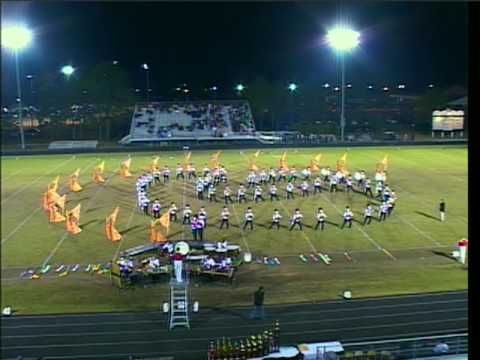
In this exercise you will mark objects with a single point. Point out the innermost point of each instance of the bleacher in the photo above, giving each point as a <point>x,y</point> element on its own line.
<point>196,120</point>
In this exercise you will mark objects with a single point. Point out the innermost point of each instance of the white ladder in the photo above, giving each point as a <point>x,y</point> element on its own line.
<point>179,303</point>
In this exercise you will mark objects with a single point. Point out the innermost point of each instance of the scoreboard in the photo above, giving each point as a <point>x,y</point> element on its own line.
<point>447,120</point>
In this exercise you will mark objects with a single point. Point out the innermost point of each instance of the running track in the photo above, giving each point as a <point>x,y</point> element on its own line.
<point>145,335</point>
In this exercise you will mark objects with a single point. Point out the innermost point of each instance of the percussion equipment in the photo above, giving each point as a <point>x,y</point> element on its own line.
<point>182,248</point>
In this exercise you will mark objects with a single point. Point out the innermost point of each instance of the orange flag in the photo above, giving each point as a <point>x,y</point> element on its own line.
<point>253,162</point>
<point>283,161</point>
<point>110,230</point>
<point>54,216</point>
<point>60,202</point>
<point>315,163</point>
<point>73,182</point>
<point>186,159</point>
<point>342,163</point>
<point>49,198</point>
<point>73,218</point>
<point>155,234</point>
<point>165,221</point>
<point>125,168</point>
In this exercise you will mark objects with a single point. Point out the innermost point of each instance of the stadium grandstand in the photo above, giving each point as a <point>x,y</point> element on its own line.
<point>194,120</point>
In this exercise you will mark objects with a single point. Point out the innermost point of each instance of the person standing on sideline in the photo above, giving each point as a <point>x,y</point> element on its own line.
<point>194,227</point>
<point>258,311</point>
<point>178,266</point>
<point>442,207</point>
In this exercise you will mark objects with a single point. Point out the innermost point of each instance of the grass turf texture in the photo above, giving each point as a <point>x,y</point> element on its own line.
<point>413,235</point>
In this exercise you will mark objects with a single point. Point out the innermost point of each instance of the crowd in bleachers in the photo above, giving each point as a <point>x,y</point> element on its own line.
<point>182,119</point>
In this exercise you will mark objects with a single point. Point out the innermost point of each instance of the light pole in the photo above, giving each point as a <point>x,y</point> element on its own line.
<point>30,79</point>
<point>16,38</point>
<point>292,87</point>
<point>342,40</point>
<point>147,89</point>
<point>68,71</point>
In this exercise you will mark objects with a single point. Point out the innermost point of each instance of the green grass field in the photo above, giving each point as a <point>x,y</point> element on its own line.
<point>413,235</point>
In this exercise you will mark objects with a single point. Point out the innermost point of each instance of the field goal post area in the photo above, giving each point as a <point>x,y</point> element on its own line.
<point>73,144</point>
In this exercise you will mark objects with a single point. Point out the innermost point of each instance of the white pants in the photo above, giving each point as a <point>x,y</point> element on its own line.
<point>178,269</point>
<point>442,215</point>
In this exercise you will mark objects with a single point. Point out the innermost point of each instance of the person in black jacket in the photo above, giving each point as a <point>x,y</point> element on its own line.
<point>258,311</point>
<point>442,209</point>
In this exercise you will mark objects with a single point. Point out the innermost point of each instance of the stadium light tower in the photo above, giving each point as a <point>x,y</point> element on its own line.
<point>342,40</point>
<point>147,88</point>
<point>292,87</point>
<point>16,38</point>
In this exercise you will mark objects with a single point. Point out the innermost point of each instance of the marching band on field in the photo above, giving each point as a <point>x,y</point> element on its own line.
<point>206,185</point>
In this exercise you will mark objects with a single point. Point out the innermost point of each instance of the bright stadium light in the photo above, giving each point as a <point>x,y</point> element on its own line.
<point>336,88</point>
<point>385,88</point>
<point>430,86</point>
<point>16,38</point>
<point>67,70</point>
<point>370,87</point>
<point>326,85</point>
<point>115,62</point>
<point>292,87</point>
<point>240,87</point>
<point>145,66</point>
<point>214,88</point>
<point>342,40</point>
<point>401,86</point>
<point>349,86</point>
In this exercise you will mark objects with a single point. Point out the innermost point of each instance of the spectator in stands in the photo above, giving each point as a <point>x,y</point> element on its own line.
<point>441,348</point>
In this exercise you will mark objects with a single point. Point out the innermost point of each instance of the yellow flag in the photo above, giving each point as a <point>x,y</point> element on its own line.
<point>125,168</point>
<point>215,160</point>
<point>283,161</point>
<point>154,164</point>
<point>76,174</point>
<point>101,167</point>
<point>165,221</point>
<point>385,161</point>
<point>257,153</point>
<point>318,157</point>
<point>127,163</point>
<point>54,184</point>
<point>344,157</point>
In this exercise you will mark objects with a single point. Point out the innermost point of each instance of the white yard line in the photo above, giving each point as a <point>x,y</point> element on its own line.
<point>240,227</point>
<point>65,235</point>
<point>368,237</point>
<point>420,231</point>
<point>27,219</point>
<point>307,239</point>
<point>19,191</point>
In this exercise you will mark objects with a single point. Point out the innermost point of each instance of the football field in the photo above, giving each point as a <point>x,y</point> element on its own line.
<point>406,254</point>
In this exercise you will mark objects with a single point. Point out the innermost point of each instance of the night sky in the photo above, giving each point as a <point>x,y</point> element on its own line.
<point>224,43</point>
